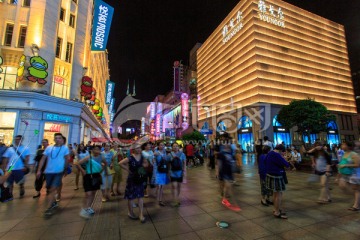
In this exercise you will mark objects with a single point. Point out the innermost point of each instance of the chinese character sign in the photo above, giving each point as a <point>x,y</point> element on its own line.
<point>158,124</point>
<point>109,91</point>
<point>271,14</point>
<point>101,25</point>
<point>233,27</point>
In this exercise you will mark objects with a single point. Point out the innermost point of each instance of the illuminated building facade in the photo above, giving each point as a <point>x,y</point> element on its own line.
<point>273,52</point>
<point>45,48</point>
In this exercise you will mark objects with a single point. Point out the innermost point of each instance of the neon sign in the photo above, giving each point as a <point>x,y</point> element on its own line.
<point>158,123</point>
<point>109,91</point>
<point>101,25</point>
<point>152,127</point>
<point>185,110</point>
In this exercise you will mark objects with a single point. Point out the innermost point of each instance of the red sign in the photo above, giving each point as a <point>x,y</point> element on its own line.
<point>55,128</point>
<point>58,80</point>
<point>152,127</point>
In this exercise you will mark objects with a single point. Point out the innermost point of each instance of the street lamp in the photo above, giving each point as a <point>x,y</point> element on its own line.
<point>35,49</point>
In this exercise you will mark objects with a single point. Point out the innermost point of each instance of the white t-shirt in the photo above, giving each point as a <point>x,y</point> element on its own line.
<point>55,158</point>
<point>13,156</point>
<point>269,143</point>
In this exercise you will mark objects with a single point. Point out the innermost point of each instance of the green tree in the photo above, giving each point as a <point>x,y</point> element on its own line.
<point>307,115</point>
<point>195,135</point>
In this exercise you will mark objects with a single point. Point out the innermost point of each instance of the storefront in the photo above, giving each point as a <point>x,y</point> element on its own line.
<point>281,134</point>
<point>245,134</point>
<point>332,134</point>
<point>7,126</point>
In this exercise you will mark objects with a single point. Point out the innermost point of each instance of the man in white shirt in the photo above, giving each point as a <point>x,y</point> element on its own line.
<point>57,157</point>
<point>267,142</point>
<point>17,158</point>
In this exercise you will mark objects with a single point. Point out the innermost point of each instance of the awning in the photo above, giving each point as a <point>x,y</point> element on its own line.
<point>100,139</point>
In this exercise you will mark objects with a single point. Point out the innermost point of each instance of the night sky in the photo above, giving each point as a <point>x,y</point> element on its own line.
<point>147,36</point>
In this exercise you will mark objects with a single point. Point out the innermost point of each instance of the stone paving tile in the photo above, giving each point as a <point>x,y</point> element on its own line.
<point>251,212</point>
<point>60,231</point>
<point>189,211</point>
<point>135,232</point>
<point>216,233</point>
<point>326,230</point>
<point>187,236</point>
<point>228,216</point>
<point>249,230</point>
<point>300,220</point>
<point>7,225</point>
<point>172,227</point>
<point>28,234</point>
<point>201,221</point>
<point>212,207</point>
<point>274,225</point>
<point>299,234</point>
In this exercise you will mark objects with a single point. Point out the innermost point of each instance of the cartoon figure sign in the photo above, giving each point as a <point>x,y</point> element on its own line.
<point>20,71</point>
<point>37,70</point>
<point>86,87</point>
<point>1,62</point>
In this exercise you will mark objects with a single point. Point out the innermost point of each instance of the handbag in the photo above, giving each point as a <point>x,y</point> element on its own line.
<point>93,166</point>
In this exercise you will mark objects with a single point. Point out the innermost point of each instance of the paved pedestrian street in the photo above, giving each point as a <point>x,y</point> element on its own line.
<point>196,218</point>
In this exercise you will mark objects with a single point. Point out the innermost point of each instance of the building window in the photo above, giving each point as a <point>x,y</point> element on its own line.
<point>75,1</point>
<point>62,14</point>
<point>26,3</point>
<point>8,34</point>
<point>68,52</point>
<point>22,36</point>
<point>59,87</point>
<point>7,126</point>
<point>72,20</point>
<point>8,78</point>
<point>13,1</point>
<point>58,47</point>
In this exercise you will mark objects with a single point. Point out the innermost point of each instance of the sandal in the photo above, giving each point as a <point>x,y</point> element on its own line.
<point>281,215</point>
<point>269,202</point>
<point>143,220</point>
<point>161,203</point>
<point>353,209</point>
<point>264,203</point>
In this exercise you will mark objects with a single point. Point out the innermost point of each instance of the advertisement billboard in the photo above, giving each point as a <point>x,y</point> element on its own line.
<point>103,14</point>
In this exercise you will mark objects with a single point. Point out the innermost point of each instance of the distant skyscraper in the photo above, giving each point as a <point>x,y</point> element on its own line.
<point>179,85</point>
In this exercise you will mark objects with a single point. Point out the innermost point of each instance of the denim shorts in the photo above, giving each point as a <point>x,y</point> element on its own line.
<point>17,176</point>
<point>53,180</point>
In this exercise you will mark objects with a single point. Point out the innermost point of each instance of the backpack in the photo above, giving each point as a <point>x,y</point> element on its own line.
<point>162,166</point>
<point>176,164</point>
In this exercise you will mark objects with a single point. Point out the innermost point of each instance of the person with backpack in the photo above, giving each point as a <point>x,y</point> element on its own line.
<point>17,158</point>
<point>134,165</point>
<point>162,170</point>
<point>177,171</point>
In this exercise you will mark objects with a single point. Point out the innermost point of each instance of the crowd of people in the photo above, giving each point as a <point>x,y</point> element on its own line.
<point>150,167</point>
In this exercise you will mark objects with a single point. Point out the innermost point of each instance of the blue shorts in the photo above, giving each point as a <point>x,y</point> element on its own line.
<point>17,176</point>
<point>53,180</point>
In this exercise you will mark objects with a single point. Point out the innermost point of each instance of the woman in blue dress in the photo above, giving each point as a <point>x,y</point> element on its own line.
<point>161,169</point>
<point>134,184</point>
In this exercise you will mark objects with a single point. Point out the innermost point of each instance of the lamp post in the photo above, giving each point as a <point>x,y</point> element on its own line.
<point>35,49</point>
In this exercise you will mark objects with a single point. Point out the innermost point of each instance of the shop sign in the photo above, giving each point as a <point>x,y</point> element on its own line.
<point>185,110</point>
<point>142,126</point>
<point>55,128</point>
<point>158,123</point>
<point>332,131</point>
<point>57,117</point>
<point>152,110</point>
<point>271,14</point>
<point>109,91</point>
<point>112,115</point>
<point>233,27</point>
<point>103,13</point>
<point>58,80</point>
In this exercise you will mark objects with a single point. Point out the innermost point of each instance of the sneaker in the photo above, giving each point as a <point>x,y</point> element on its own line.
<point>57,197</point>
<point>135,205</point>
<point>234,208</point>
<point>48,212</point>
<point>85,214</point>
<point>54,205</point>
<point>90,211</point>
<point>225,202</point>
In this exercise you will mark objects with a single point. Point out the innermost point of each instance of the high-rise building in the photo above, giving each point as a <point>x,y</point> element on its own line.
<point>52,78</point>
<point>268,51</point>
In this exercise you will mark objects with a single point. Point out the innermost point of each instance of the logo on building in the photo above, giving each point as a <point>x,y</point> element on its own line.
<point>109,91</point>
<point>101,25</point>
<point>37,70</point>
<point>271,14</point>
<point>233,27</point>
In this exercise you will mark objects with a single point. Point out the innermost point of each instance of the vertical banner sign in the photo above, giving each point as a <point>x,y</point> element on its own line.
<point>111,106</point>
<point>103,14</point>
<point>158,119</point>
<point>152,110</point>
<point>185,110</point>
<point>176,76</point>
<point>109,91</point>
<point>152,127</point>
<point>142,126</point>
<point>112,117</point>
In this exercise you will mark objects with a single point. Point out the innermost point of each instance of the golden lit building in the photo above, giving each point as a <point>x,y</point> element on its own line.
<point>272,52</point>
<point>45,48</point>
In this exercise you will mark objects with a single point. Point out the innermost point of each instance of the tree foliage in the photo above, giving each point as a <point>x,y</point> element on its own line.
<point>195,135</point>
<point>307,115</point>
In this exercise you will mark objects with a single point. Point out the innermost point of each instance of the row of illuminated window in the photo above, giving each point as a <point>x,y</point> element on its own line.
<point>25,3</point>
<point>68,52</point>
<point>71,19</point>
<point>8,80</point>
